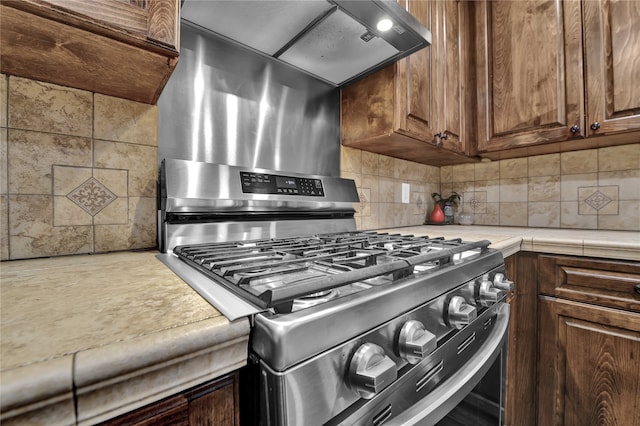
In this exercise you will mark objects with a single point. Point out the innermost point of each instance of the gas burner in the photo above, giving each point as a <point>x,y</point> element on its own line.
<point>313,299</point>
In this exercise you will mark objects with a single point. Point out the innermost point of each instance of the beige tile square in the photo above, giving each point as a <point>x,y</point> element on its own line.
<point>462,187</point>
<point>114,179</point>
<point>491,187</point>
<point>66,178</point>
<point>386,218</point>
<point>598,200</point>
<point>432,174</point>
<point>544,165</point>
<point>569,185</point>
<point>351,160</point>
<point>627,181</point>
<point>122,120</point>
<point>487,170</point>
<point>513,214</point>
<point>569,217</point>
<point>579,162</point>
<point>463,173</point>
<point>140,161</point>
<point>4,177</point>
<point>544,188</point>
<point>67,213</point>
<point>372,221</point>
<point>45,107</point>
<point>623,157</point>
<point>32,234</point>
<point>3,100</point>
<point>372,184</point>
<point>475,202</point>
<point>416,171</point>
<point>385,166</point>
<point>513,168</point>
<point>628,218</point>
<point>513,190</point>
<point>32,156</point>
<point>116,213</point>
<point>4,227</point>
<point>490,217</point>
<point>370,163</point>
<point>544,214</point>
<point>401,169</point>
<point>387,192</point>
<point>446,174</point>
<point>138,233</point>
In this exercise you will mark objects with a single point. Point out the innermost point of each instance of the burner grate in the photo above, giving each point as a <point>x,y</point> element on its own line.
<point>275,272</point>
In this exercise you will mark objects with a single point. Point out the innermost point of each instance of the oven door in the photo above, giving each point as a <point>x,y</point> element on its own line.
<point>472,395</point>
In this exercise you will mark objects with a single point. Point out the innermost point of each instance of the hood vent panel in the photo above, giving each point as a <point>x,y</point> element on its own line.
<point>333,40</point>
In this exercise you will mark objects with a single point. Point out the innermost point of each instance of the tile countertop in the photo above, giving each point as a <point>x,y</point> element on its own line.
<point>118,330</point>
<point>510,240</point>
<point>87,338</point>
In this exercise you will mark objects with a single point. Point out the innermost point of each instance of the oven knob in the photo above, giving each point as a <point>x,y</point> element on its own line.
<point>415,342</point>
<point>459,313</point>
<point>488,293</point>
<point>370,370</point>
<point>501,282</point>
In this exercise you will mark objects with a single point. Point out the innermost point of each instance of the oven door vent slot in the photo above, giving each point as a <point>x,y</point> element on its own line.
<point>467,342</point>
<point>429,375</point>
<point>382,416</point>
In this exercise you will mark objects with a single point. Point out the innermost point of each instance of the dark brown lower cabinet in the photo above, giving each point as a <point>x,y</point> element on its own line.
<point>214,403</point>
<point>574,341</point>
<point>589,364</point>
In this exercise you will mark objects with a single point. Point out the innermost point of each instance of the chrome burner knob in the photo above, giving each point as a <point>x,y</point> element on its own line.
<point>415,342</point>
<point>488,293</point>
<point>371,370</point>
<point>459,313</point>
<point>501,282</point>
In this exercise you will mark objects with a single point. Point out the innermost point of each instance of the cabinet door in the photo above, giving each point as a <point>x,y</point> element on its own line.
<point>450,72</point>
<point>588,367</point>
<point>156,21</point>
<point>529,72</point>
<point>612,63</point>
<point>416,113</point>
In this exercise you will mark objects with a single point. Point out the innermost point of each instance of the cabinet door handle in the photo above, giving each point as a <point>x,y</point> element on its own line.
<point>637,287</point>
<point>575,129</point>
<point>595,125</point>
<point>441,135</point>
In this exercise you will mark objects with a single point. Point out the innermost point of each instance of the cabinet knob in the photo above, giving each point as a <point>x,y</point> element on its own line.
<point>637,288</point>
<point>575,129</point>
<point>595,125</point>
<point>441,135</point>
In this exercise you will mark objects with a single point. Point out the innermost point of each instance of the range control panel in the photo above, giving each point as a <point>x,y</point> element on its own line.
<point>262,183</point>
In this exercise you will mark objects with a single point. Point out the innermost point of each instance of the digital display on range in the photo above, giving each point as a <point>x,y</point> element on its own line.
<point>285,182</point>
<point>263,183</point>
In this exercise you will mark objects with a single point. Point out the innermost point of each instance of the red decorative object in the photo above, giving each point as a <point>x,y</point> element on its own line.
<point>437,215</point>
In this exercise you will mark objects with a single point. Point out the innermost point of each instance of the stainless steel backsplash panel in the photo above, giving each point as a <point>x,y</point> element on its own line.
<point>229,105</point>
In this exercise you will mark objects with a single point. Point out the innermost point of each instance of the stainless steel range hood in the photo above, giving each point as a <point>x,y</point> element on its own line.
<point>337,41</point>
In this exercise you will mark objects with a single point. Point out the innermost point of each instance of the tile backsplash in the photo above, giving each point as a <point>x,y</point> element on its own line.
<point>78,174</point>
<point>590,189</point>
<point>79,171</point>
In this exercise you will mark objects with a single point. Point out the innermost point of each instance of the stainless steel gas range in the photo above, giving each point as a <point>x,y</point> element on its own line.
<point>348,327</point>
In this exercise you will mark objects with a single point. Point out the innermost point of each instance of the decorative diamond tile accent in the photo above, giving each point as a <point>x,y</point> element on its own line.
<point>597,200</point>
<point>92,196</point>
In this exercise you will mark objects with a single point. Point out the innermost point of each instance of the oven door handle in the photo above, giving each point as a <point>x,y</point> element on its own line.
<point>441,400</point>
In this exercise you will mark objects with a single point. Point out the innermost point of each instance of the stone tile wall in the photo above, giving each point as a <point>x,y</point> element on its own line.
<point>78,174</point>
<point>590,189</point>
<point>379,181</point>
<point>78,171</point>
